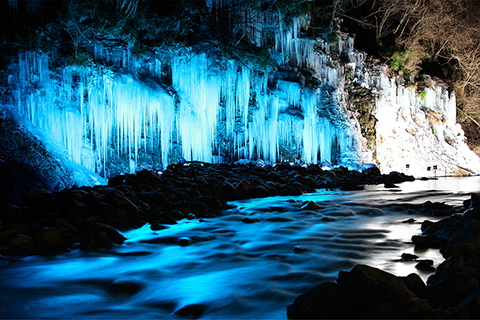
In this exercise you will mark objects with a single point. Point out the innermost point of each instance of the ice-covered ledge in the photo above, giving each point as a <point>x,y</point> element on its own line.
<point>417,132</point>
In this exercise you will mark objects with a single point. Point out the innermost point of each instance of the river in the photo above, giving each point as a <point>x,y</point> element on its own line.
<point>250,262</point>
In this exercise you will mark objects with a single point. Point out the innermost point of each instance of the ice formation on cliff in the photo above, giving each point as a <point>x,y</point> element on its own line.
<point>146,115</point>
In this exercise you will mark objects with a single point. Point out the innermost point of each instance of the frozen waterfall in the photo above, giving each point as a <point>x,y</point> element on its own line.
<point>210,112</point>
<point>190,103</point>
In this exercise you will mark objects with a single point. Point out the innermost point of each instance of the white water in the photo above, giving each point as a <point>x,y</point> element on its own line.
<point>239,270</point>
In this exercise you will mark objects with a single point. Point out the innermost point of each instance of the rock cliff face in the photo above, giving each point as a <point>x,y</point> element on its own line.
<point>317,102</point>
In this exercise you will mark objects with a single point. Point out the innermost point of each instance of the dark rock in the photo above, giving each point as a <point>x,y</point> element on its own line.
<point>409,257</point>
<point>475,200</point>
<point>397,177</point>
<point>425,266</point>
<point>155,226</point>
<point>96,235</point>
<point>472,304</point>
<point>230,191</point>
<point>328,219</point>
<point>447,268</point>
<point>21,240</point>
<point>260,191</point>
<point>299,249</point>
<point>465,249</point>
<point>472,213</point>
<point>198,207</point>
<point>55,238</point>
<point>124,288</point>
<point>309,205</point>
<point>244,188</point>
<point>250,220</point>
<point>411,220</point>
<point>414,282</point>
<point>364,292</point>
<point>185,241</point>
<point>192,311</point>
<point>8,232</point>
<point>295,189</point>
<point>450,291</point>
<point>390,185</point>
<point>428,241</point>
<point>426,224</point>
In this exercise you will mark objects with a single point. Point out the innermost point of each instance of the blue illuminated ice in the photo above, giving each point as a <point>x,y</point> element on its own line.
<point>194,104</point>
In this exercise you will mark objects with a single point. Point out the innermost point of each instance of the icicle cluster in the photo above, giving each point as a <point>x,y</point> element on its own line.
<point>206,109</point>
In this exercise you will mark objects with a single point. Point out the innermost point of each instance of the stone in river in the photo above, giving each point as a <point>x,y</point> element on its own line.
<point>250,220</point>
<point>309,205</point>
<point>425,266</point>
<point>299,249</point>
<point>408,257</point>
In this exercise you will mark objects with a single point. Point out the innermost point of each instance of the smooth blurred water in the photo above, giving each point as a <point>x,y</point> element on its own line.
<point>232,269</point>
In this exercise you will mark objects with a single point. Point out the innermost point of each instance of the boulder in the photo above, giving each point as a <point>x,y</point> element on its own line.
<point>364,292</point>
<point>244,188</point>
<point>428,241</point>
<point>449,291</point>
<point>414,282</point>
<point>96,235</point>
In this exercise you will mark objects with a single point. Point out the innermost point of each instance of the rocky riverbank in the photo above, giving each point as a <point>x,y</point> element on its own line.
<point>90,217</point>
<point>451,292</point>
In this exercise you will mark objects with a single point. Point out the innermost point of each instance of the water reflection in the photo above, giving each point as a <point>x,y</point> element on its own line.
<point>232,269</point>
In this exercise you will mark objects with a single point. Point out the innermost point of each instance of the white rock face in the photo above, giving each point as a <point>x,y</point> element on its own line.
<point>418,134</point>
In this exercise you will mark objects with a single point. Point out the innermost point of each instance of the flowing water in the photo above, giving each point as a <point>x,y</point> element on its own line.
<point>226,267</point>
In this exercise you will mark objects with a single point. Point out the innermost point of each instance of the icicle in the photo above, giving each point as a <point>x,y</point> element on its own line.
<point>12,5</point>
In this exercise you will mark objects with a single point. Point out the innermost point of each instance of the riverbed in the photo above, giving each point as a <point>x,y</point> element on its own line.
<point>249,262</point>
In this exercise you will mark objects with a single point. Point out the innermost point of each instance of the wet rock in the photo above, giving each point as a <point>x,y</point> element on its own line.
<point>185,241</point>
<point>96,235</point>
<point>472,213</point>
<point>6,233</point>
<point>409,221</point>
<point>449,291</point>
<point>198,207</point>
<point>155,226</point>
<point>475,200</point>
<point>472,304</point>
<point>299,249</point>
<point>390,185</point>
<point>425,266</point>
<point>77,211</point>
<point>55,238</point>
<point>414,282</point>
<point>230,191</point>
<point>192,311</point>
<point>260,191</point>
<point>409,257</point>
<point>364,292</point>
<point>244,188</point>
<point>124,288</point>
<point>309,205</point>
<point>295,189</point>
<point>397,177</point>
<point>328,219</point>
<point>426,224</point>
<point>465,249</point>
<point>428,241</point>
<point>21,240</point>
<point>250,220</point>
